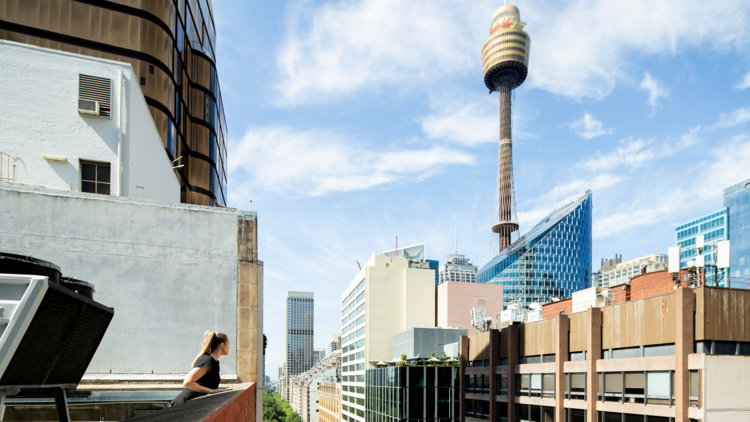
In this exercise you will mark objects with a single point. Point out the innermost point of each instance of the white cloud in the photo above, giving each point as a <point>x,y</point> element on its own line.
<point>587,127</point>
<point>656,91</point>
<point>741,115</point>
<point>467,121</point>
<point>317,162</point>
<point>581,49</point>
<point>745,83</point>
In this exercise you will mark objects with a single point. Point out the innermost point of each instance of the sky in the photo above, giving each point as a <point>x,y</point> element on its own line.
<point>353,122</point>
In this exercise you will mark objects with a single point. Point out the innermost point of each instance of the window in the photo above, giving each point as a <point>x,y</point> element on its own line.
<point>695,388</point>
<point>613,387</point>
<point>548,385</point>
<point>576,386</point>
<point>658,387</point>
<point>634,387</point>
<point>95,178</point>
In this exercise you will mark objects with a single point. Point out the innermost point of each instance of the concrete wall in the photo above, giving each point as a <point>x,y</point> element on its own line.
<point>170,271</point>
<point>398,298</point>
<point>422,342</point>
<point>455,300</point>
<point>726,385</point>
<point>39,102</point>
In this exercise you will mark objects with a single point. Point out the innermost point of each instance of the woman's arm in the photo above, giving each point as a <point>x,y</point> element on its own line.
<point>191,380</point>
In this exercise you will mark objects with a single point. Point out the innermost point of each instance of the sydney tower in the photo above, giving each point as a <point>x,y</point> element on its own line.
<point>505,59</point>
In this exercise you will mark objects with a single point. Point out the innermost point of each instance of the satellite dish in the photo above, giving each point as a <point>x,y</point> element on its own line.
<point>535,306</point>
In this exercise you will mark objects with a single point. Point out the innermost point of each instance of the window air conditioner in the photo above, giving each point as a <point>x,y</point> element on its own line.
<point>88,107</point>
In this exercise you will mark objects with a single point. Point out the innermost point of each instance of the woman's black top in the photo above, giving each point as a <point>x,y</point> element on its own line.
<point>210,380</point>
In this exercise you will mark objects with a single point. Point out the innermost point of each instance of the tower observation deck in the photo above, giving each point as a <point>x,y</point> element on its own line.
<point>505,59</point>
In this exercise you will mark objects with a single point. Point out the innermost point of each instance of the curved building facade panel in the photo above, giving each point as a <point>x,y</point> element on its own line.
<point>553,260</point>
<point>171,45</point>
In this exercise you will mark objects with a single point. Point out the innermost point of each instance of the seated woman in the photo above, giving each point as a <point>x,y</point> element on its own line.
<point>205,376</point>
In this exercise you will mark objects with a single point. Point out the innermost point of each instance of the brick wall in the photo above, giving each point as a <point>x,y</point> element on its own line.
<point>640,287</point>
<point>648,285</point>
<point>553,309</point>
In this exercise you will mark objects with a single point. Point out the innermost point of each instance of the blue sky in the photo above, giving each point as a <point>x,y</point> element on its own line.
<point>353,122</point>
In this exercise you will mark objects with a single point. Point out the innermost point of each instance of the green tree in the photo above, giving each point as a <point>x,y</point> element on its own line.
<point>271,410</point>
<point>292,417</point>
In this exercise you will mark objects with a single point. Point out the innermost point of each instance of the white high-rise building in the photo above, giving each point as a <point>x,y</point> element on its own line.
<point>457,268</point>
<point>389,295</point>
<point>624,271</point>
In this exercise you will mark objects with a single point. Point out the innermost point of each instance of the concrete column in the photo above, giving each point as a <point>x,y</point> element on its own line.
<point>593,354</point>
<point>494,360</point>
<point>562,330</point>
<point>684,338</point>
<point>249,342</point>
<point>512,333</point>
<point>463,350</point>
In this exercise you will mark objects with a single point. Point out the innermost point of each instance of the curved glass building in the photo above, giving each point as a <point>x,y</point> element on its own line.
<point>552,260</point>
<point>171,45</point>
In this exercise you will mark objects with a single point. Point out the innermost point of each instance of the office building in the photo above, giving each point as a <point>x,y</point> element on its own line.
<point>714,228</point>
<point>413,393</point>
<point>425,390</point>
<point>170,46</point>
<point>298,340</point>
<point>737,200</point>
<point>456,300</point>
<point>606,265</point>
<point>335,343</point>
<point>457,268</point>
<point>389,295</point>
<point>318,354</point>
<point>551,261</point>
<point>435,266</point>
<point>659,354</point>
<point>330,401</point>
<point>505,59</point>
<point>624,271</point>
<point>418,343</point>
<point>305,397</point>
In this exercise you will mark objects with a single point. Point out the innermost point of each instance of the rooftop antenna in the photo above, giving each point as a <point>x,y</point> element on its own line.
<point>396,245</point>
<point>360,267</point>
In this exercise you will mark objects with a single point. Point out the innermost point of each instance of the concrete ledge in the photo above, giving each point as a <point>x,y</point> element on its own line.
<point>235,405</point>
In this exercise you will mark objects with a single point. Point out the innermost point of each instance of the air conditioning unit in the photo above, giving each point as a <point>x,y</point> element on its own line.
<point>88,107</point>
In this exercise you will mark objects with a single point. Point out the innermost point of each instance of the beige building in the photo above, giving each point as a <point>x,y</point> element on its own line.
<point>330,402</point>
<point>680,356</point>
<point>624,271</point>
<point>456,299</point>
<point>388,295</point>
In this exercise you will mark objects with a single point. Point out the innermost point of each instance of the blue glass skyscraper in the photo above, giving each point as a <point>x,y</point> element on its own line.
<point>737,200</point>
<point>714,227</point>
<point>552,260</point>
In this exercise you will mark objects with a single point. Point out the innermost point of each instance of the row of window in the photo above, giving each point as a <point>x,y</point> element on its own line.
<point>360,321</point>
<point>354,292</point>
<point>351,306</point>
<point>706,218</point>
<point>498,59</point>
<point>351,368</point>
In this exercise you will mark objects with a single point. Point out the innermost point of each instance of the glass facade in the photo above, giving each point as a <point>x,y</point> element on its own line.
<point>171,45</point>
<point>552,260</point>
<point>737,200</point>
<point>714,228</point>
<point>300,319</point>
<point>412,393</point>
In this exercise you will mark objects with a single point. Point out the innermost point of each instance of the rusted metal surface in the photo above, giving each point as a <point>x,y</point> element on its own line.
<point>537,338</point>
<point>479,346</point>
<point>726,314</point>
<point>577,341</point>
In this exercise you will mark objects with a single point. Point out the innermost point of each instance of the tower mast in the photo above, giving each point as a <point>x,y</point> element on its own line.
<point>505,57</point>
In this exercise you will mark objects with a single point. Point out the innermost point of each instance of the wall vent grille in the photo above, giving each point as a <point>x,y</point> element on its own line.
<point>94,88</point>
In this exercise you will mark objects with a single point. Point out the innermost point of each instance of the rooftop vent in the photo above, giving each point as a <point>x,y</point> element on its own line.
<point>94,95</point>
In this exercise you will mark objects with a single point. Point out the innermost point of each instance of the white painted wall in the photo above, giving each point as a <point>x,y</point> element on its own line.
<point>169,270</point>
<point>39,115</point>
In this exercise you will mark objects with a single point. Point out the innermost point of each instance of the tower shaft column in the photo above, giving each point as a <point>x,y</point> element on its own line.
<point>504,85</point>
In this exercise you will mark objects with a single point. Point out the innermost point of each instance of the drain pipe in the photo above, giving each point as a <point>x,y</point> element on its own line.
<point>119,132</point>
